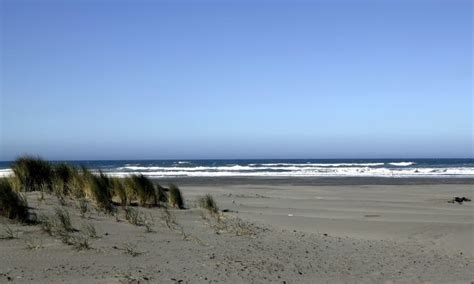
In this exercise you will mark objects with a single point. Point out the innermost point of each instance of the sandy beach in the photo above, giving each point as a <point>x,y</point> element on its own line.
<point>269,233</point>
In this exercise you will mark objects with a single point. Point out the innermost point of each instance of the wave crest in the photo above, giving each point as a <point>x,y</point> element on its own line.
<point>402,164</point>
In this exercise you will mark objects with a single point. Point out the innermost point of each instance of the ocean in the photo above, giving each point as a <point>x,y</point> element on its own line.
<point>281,168</point>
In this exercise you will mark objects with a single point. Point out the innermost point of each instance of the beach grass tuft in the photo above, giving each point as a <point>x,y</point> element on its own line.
<point>134,216</point>
<point>13,205</point>
<point>161,193</point>
<point>142,188</point>
<point>131,249</point>
<point>62,180</point>
<point>90,231</point>
<point>148,226</point>
<point>83,207</point>
<point>33,244</point>
<point>175,199</point>
<point>119,190</point>
<point>207,202</point>
<point>10,233</point>
<point>80,242</point>
<point>32,173</point>
<point>99,186</point>
<point>64,220</point>
<point>47,224</point>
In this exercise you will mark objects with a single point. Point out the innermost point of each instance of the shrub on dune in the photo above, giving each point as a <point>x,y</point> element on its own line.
<point>76,185</point>
<point>12,204</point>
<point>64,220</point>
<point>142,187</point>
<point>207,202</point>
<point>161,193</point>
<point>85,177</point>
<point>130,189</point>
<point>33,173</point>
<point>175,197</point>
<point>63,175</point>
<point>99,187</point>
<point>119,190</point>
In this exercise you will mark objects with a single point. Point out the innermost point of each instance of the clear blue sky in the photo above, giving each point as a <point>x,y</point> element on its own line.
<point>241,79</point>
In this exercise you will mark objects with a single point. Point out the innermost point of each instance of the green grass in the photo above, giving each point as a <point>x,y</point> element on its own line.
<point>90,231</point>
<point>47,224</point>
<point>83,207</point>
<point>10,233</point>
<point>80,242</point>
<point>142,188</point>
<point>76,185</point>
<point>33,173</point>
<point>100,190</point>
<point>175,198</point>
<point>62,181</point>
<point>64,220</point>
<point>207,202</point>
<point>66,181</point>
<point>13,205</point>
<point>131,249</point>
<point>134,216</point>
<point>119,190</point>
<point>161,193</point>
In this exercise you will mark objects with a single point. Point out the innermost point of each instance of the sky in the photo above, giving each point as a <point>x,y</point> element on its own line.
<point>236,79</point>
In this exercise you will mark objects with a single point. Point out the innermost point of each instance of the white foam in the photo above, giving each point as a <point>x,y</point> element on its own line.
<point>403,164</point>
<point>314,172</point>
<point>319,165</point>
<point>5,173</point>
<point>286,170</point>
<point>200,168</point>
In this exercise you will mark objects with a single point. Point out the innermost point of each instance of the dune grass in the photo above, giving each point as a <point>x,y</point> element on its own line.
<point>47,224</point>
<point>80,242</point>
<point>175,198</point>
<point>10,233</point>
<point>207,202</point>
<point>76,185</point>
<point>131,249</point>
<point>119,190</point>
<point>33,173</point>
<point>13,205</point>
<point>143,189</point>
<point>64,220</point>
<point>90,231</point>
<point>100,191</point>
<point>83,207</point>
<point>83,186</point>
<point>161,193</point>
<point>134,216</point>
<point>63,175</point>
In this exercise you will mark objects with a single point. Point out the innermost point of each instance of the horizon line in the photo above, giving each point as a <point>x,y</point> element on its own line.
<point>242,159</point>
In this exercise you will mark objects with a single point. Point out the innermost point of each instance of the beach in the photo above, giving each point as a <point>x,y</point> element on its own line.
<point>270,231</point>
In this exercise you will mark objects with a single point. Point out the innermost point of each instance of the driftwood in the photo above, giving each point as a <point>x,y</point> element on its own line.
<point>459,200</point>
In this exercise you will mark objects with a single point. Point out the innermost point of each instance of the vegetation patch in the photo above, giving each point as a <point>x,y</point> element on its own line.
<point>13,205</point>
<point>143,189</point>
<point>207,202</point>
<point>33,174</point>
<point>175,199</point>
<point>134,216</point>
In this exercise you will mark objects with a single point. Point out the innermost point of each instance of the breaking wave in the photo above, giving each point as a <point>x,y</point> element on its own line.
<point>403,164</point>
<point>283,168</point>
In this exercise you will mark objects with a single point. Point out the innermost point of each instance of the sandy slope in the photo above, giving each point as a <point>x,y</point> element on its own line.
<point>333,234</point>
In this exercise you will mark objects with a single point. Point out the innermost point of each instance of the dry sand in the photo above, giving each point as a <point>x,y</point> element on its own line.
<point>289,234</point>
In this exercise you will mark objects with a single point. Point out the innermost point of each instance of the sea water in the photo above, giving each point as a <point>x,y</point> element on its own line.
<point>280,168</point>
